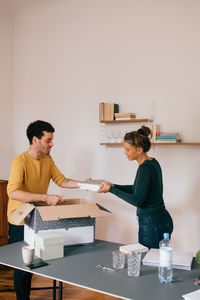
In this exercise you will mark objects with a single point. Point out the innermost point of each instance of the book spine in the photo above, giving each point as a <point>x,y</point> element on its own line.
<point>113,107</point>
<point>106,111</point>
<point>125,115</point>
<point>168,137</point>
<point>155,131</point>
<point>165,141</point>
<point>168,133</point>
<point>101,110</point>
<point>124,118</point>
<point>116,108</point>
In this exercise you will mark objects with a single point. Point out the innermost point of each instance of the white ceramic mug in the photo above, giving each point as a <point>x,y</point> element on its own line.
<point>28,254</point>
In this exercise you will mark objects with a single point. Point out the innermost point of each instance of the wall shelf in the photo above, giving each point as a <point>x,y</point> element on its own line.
<point>152,143</point>
<point>159,144</point>
<point>126,121</point>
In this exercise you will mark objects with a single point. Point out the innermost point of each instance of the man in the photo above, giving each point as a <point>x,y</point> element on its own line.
<point>30,176</point>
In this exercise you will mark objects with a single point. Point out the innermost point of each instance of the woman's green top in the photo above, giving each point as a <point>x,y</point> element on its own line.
<point>146,193</point>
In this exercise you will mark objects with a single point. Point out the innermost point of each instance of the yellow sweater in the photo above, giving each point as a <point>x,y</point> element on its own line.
<point>31,175</point>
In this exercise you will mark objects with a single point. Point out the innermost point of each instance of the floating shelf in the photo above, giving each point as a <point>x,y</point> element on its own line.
<point>127,121</point>
<point>159,144</point>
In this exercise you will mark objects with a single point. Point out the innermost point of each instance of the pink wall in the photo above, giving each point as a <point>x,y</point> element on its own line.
<point>70,55</point>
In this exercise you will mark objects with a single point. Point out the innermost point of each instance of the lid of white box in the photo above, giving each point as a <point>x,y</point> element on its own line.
<point>47,238</point>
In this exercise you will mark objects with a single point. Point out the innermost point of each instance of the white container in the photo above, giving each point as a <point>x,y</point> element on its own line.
<point>49,245</point>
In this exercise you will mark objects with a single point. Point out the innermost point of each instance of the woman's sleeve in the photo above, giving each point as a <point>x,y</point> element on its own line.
<point>139,190</point>
<point>125,188</point>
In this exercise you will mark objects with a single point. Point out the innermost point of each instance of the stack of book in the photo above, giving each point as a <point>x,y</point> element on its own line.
<point>180,259</point>
<point>107,111</point>
<point>125,116</point>
<point>166,137</point>
<point>90,185</point>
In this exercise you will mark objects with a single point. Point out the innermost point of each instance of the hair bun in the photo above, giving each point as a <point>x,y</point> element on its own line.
<point>141,131</point>
<point>146,131</point>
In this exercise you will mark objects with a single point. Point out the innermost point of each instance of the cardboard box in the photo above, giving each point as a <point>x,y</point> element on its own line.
<point>49,245</point>
<point>75,219</point>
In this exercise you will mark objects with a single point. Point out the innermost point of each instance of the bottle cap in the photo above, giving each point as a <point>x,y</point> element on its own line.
<point>166,236</point>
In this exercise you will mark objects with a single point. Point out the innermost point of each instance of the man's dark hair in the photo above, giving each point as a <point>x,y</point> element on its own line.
<point>37,129</point>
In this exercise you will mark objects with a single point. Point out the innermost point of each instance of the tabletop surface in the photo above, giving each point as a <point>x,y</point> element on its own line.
<point>78,267</point>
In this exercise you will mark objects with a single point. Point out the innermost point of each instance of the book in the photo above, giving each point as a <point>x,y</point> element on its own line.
<point>107,111</point>
<point>113,110</point>
<point>90,185</point>
<point>192,296</point>
<point>168,137</point>
<point>180,259</point>
<point>155,131</point>
<point>125,115</point>
<point>166,141</point>
<point>133,247</point>
<point>168,133</point>
<point>120,119</point>
<point>101,111</point>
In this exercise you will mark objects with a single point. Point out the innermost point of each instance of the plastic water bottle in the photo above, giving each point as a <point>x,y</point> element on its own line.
<point>165,271</point>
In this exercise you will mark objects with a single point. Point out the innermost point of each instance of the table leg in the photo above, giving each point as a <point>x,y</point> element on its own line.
<point>60,290</point>
<point>54,289</point>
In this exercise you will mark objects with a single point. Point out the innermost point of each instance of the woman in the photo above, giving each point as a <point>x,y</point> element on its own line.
<point>146,193</point>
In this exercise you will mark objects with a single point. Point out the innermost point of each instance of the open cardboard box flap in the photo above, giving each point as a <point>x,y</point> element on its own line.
<point>71,208</point>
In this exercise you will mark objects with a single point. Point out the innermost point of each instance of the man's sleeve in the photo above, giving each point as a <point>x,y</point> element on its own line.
<point>16,176</point>
<point>56,175</point>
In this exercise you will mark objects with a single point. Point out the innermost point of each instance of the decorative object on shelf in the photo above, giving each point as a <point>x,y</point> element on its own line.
<point>111,136</point>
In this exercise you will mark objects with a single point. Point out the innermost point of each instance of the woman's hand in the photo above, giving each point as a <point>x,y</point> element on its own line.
<point>105,187</point>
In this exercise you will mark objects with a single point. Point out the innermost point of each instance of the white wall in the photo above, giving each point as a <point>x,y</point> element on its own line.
<point>70,55</point>
<point>6,89</point>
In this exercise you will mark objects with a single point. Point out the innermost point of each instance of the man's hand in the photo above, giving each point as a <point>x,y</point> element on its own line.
<point>54,199</point>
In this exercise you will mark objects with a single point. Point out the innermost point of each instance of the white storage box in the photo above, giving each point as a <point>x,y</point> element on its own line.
<point>49,245</point>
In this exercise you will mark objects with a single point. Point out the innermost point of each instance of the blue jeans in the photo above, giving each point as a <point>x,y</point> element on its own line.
<point>151,228</point>
<point>22,279</point>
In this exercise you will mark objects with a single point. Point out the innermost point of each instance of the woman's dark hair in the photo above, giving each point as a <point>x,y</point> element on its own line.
<point>139,138</point>
<point>37,129</point>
